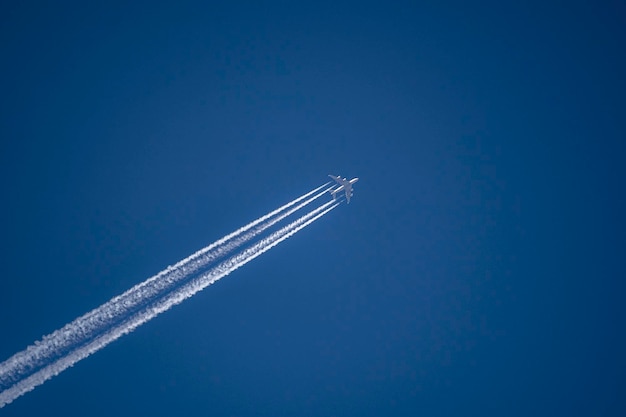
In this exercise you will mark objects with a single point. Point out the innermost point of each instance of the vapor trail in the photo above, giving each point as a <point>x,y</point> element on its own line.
<point>92,323</point>
<point>72,343</point>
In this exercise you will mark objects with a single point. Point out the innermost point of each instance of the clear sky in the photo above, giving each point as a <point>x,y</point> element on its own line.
<point>479,269</point>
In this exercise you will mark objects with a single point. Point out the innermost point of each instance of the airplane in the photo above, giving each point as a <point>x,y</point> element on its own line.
<point>344,184</point>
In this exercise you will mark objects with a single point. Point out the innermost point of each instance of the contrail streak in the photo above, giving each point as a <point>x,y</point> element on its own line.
<point>91,332</point>
<point>90,324</point>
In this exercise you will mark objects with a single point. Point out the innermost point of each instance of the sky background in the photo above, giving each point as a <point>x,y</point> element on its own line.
<point>479,269</point>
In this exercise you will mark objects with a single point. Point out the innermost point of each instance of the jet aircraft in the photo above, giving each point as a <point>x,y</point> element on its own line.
<point>344,185</point>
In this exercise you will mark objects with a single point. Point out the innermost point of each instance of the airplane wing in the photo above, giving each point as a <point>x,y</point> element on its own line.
<point>338,179</point>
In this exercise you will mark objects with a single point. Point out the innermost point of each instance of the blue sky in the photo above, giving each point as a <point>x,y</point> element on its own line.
<point>478,270</point>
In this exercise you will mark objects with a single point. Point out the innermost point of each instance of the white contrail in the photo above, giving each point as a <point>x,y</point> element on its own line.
<point>237,241</point>
<point>92,323</point>
<point>59,359</point>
